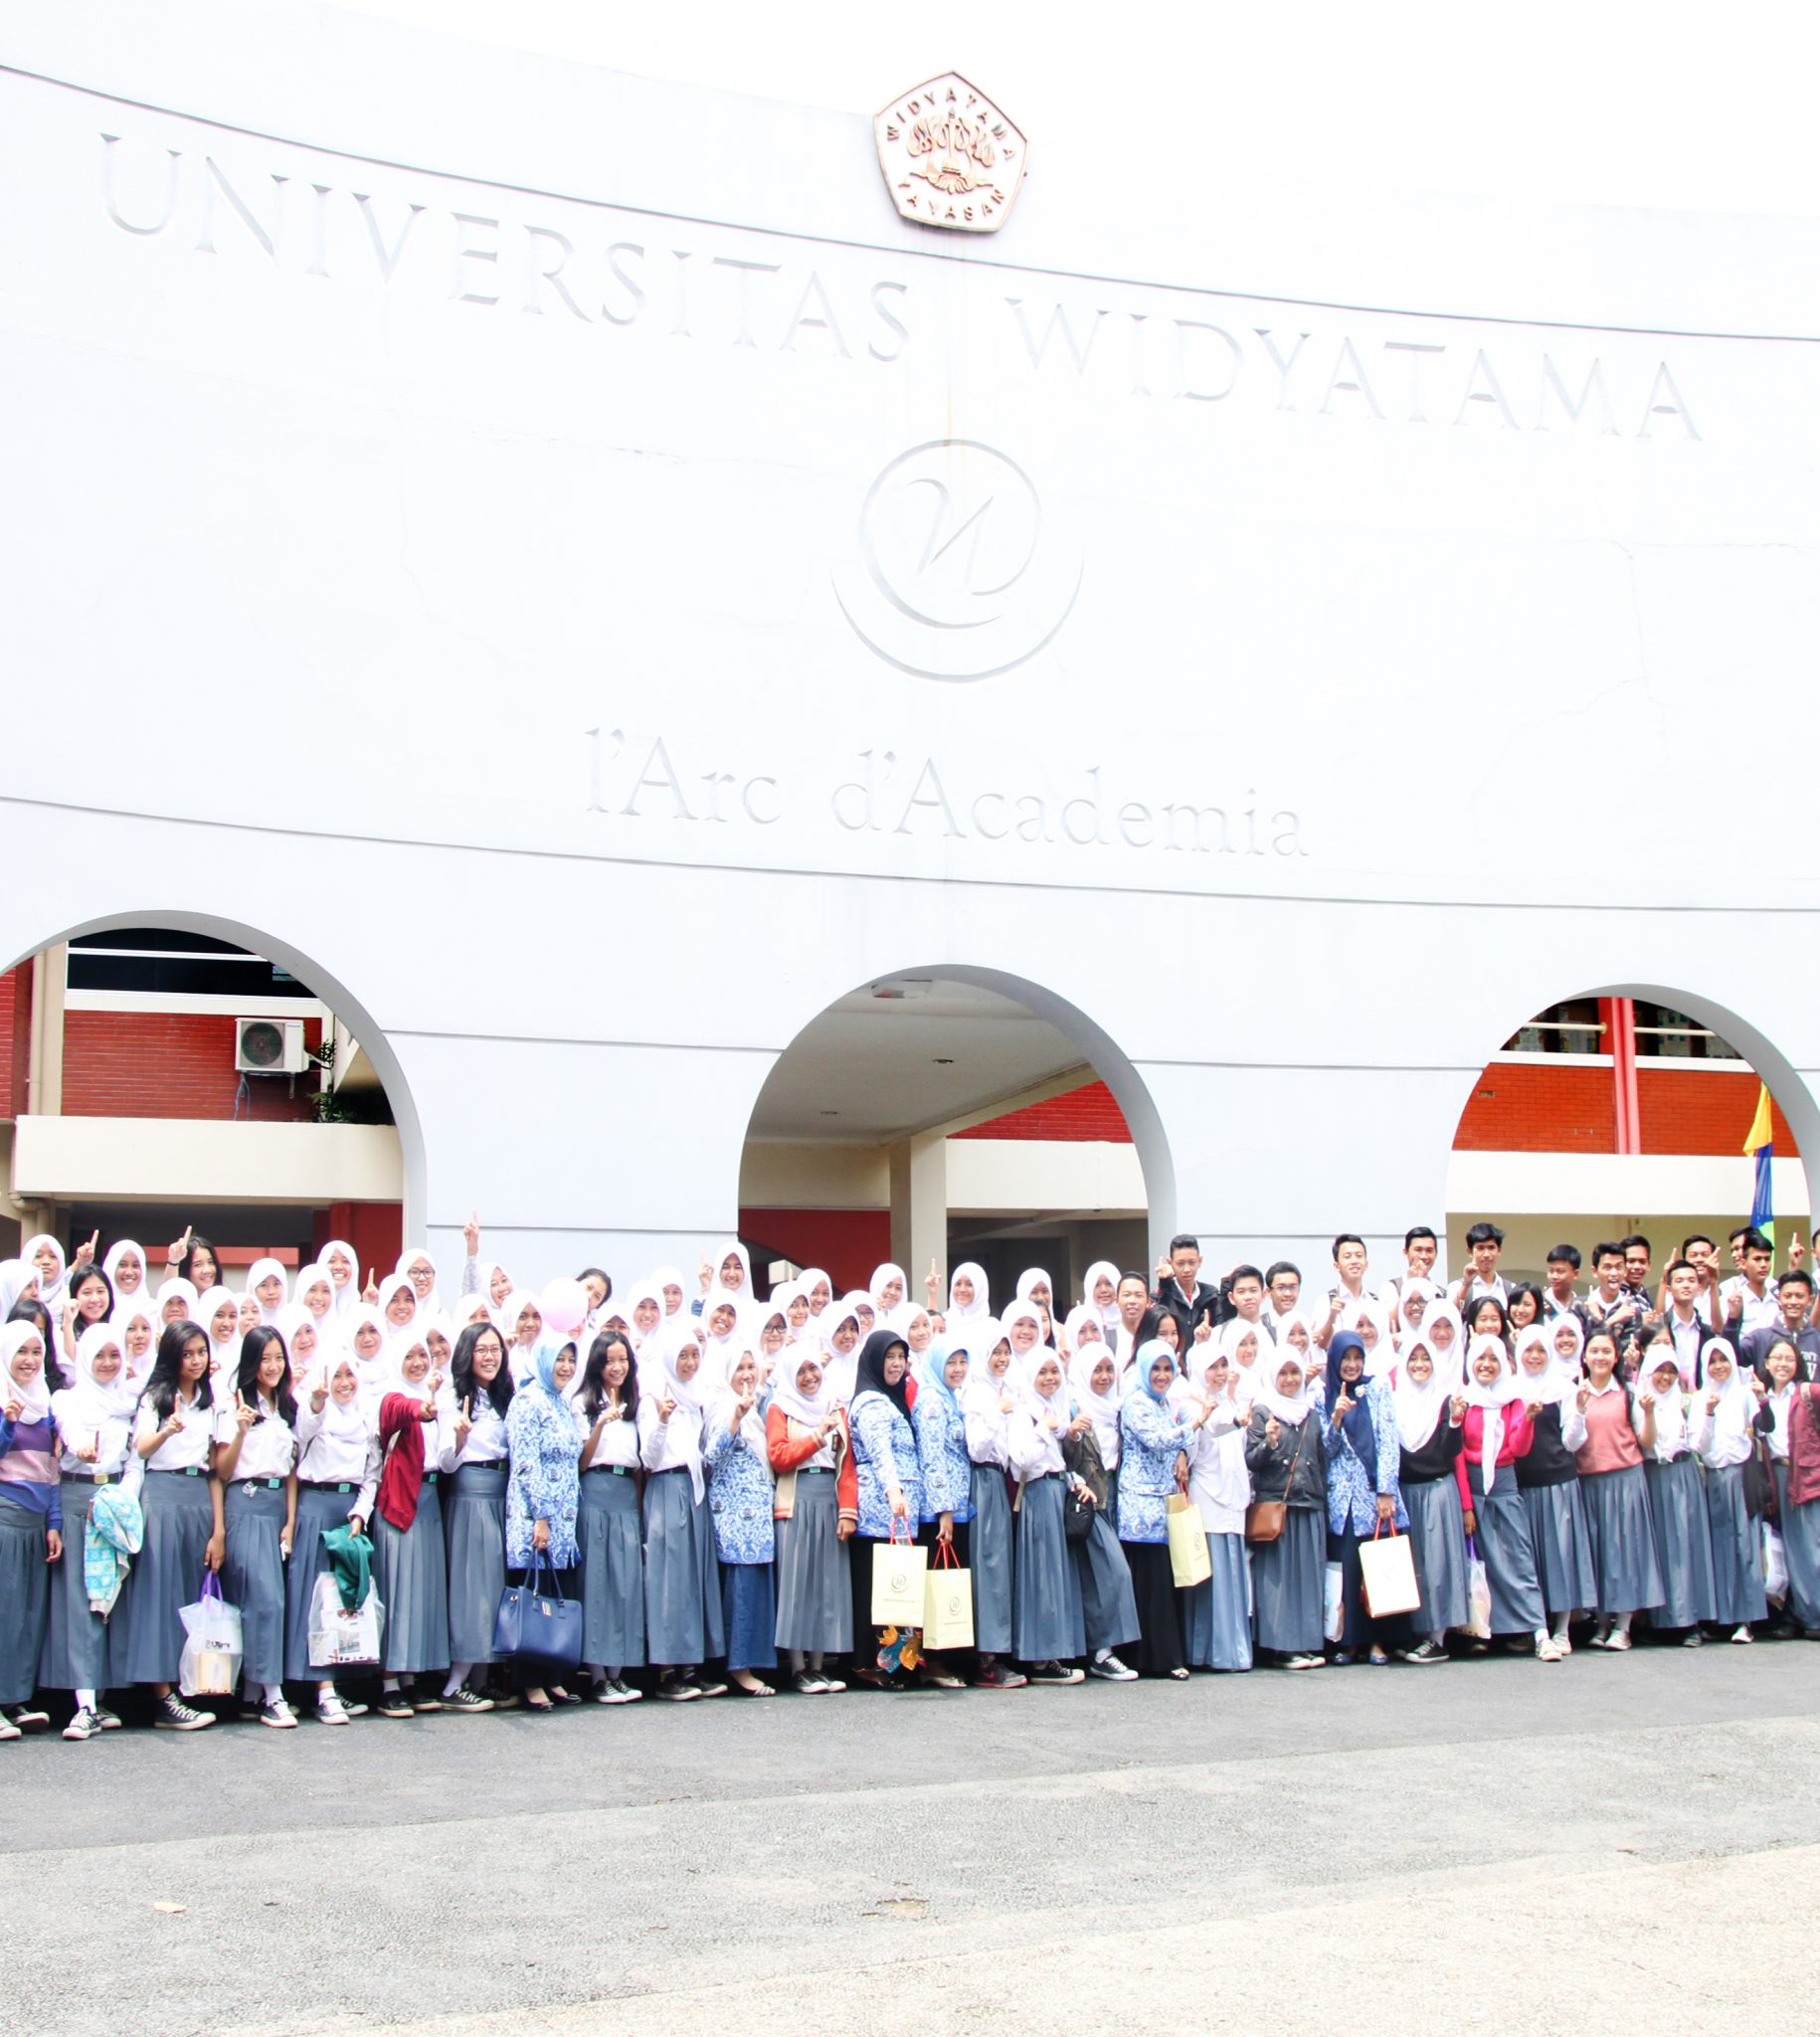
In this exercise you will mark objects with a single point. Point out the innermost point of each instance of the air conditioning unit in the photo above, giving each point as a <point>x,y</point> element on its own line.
<point>270,1047</point>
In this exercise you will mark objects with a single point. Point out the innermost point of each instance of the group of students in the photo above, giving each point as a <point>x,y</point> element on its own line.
<point>712,1477</point>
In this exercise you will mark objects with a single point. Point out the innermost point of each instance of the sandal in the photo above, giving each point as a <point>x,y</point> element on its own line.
<point>538,1705</point>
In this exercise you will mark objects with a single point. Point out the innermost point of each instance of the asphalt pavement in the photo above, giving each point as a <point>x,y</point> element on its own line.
<point>1496,1844</point>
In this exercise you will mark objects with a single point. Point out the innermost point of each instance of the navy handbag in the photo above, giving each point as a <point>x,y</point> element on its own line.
<point>534,1625</point>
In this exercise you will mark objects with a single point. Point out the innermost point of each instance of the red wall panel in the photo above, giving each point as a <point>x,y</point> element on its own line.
<point>846,1244</point>
<point>1085,1113</point>
<point>1527,1107</point>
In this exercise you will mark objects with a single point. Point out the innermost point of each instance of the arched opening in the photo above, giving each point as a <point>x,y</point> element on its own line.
<point>950,1113</point>
<point>167,1069</point>
<point>1625,1111</point>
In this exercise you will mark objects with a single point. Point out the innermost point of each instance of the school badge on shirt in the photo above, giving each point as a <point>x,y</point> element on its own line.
<point>949,157</point>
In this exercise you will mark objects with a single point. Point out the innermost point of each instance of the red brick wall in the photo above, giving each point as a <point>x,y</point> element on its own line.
<point>1085,1113</point>
<point>15,1037</point>
<point>1524,1107</point>
<point>146,1064</point>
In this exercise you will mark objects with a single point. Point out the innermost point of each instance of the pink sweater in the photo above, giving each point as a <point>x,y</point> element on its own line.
<point>1519,1435</point>
<point>1611,1443</point>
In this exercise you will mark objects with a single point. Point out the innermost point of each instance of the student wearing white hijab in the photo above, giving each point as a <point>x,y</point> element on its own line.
<point>30,1519</point>
<point>1100,1293</point>
<point>737,1459</point>
<point>315,1289</point>
<point>125,1266</point>
<point>221,1319</point>
<point>177,1302</point>
<point>683,1620</point>
<point>344,1264</point>
<point>988,1402</point>
<point>1724,1412</point>
<point>721,1337</point>
<point>1677,1502</point>
<point>337,1484</point>
<point>94,1420</point>
<point>1091,1451</point>
<point>1431,1440</point>
<point>521,1320</point>
<point>1283,1453</point>
<point>268,1284</point>
<point>135,1324</point>
<point>728,1277</point>
<point>1049,1629</point>
<point>1216,1613</point>
<point>970,1294</point>
<point>1498,1430</point>
<point>818,1288</point>
<point>815,1507</point>
<point>420,1270</point>
<point>18,1281</point>
<point>1548,1476</point>
<point>889,1291</point>
<point>45,1257</point>
<point>842,1334</point>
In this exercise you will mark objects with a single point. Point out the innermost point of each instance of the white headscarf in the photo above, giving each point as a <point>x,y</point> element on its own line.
<point>224,1343</point>
<point>809,1409</point>
<point>15,1277</point>
<point>1102,1269</point>
<point>1291,1412</point>
<point>92,1404</point>
<point>683,1430</point>
<point>1029,1281</point>
<point>1673,1432</point>
<point>1024,1364</point>
<point>317,1275</point>
<point>982,1396</point>
<point>1079,1322</point>
<point>389,1290</point>
<point>121,1321</point>
<point>345,1424</point>
<point>1381,1354</point>
<point>752,1425</point>
<point>1556,1382</point>
<point>808,1280</point>
<point>740,1296</point>
<point>293,1319</point>
<point>52,1291</point>
<point>110,1266</point>
<point>348,1295</point>
<point>1245,1378</point>
<point>410,1259</point>
<point>1449,1366</point>
<point>33,1394</point>
<point>179,1289</point>
<point>1420,1407</point>
<point>893,1317</point>
<point>981,1305</point>
<point>264,1269</point>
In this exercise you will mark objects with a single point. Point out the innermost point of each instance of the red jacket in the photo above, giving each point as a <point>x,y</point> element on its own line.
<point>789,1452</point>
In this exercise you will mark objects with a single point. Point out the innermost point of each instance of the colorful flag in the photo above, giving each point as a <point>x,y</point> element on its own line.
<point>1759,1146</point>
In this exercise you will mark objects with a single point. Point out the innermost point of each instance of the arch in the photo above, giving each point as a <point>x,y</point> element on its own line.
<point>324,985</point>
<point>1095,1046</point>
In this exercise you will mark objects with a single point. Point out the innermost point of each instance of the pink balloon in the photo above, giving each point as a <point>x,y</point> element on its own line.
<point>565,1306</point>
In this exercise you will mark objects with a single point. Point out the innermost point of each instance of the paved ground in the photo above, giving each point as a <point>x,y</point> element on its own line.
<point>1493,1845</point>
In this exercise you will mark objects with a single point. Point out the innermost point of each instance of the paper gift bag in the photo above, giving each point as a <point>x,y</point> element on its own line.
<point>1189,1563</point>
<point>897,1584</point>
<point>1388,1567</point>
<point>1478,1595</point>
<point>948,1602</point>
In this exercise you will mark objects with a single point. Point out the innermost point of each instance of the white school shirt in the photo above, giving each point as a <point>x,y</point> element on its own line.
<point>188,1447</point>
<point>335,1460</point>
<point>1036,1449</point>
<point>618,1443</point>
<point>1758,1315</point>
<point>486,1443</point>
<point>268,1451</point>
<point>1218,1482</point>
<point>115,1441</point>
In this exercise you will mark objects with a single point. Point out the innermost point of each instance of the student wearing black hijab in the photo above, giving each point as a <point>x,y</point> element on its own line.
<point>890,1492</point>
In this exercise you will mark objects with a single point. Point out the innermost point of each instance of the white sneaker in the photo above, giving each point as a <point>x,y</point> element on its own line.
<point>278,1712</point>
<point>1112,1670</point>
<point>1547,1651</point>
<point>84,1725</point>
<point>1742,1634</point>
<point>8,1730</point>
<point>173,1713</point>
<point>331,1711</point>
<point>610,1690</point>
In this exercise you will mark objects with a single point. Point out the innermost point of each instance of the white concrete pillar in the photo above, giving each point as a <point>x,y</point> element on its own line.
<point>919,1208</point>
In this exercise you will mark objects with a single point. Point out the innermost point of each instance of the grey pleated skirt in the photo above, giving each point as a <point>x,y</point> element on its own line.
<point>1508,1550</point>
<point>1289,1584</point>
<point>1564,1546</point>
<point>1108,1611</point>
<point>412,1572</point>
<point>1438,1529</point>
<point>80,1648</point>
<point>252,1576</point>
<point>683,1617</point>
<point>1684,1543</point>
<point>179,1518</point>
<point>1800,1531</point>
<point>990,1546</point>
<point>25,1598</point>
<point>608,1534</point>
<point>815,1579</point>
<point>1623,1540</point>
<point>473,1523</point>
<point>1047,1622</point>
<point>1738,1549</point>
<point>1216,1614</point>
<point>318,1510</point>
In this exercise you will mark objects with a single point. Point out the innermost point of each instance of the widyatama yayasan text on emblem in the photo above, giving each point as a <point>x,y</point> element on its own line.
<point>949,157</point>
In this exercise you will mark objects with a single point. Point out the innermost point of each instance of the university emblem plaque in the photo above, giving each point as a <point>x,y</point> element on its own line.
<point>951,158</point>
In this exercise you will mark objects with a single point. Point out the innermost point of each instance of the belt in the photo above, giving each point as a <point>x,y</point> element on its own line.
<point>249,1486</point>
<point>819,1471</point>
<point>671,1471</point>
<point>430,1477</point>
<point>95,1477</point>
<point>618,1470</point>
<point>328,1485</point>
<point>182,1471</point>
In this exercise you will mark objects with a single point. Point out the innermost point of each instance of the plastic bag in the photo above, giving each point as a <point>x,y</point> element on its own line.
<point>1336,1600</point>
<point>1776,1565</point>
<point>339,1639</point>
<point>210,1664</point>
<point>1478,1596</point>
